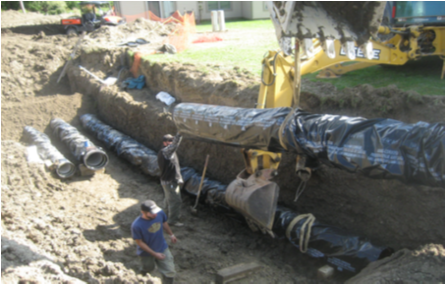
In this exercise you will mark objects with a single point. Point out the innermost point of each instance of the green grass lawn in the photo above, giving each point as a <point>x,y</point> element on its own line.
<point>422,76</point>
<point>206,26</point>
<point>231,53</point>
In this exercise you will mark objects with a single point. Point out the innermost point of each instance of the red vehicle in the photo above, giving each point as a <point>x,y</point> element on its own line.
<point>94,15</point>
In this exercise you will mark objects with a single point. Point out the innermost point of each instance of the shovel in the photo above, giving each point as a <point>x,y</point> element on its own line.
<point>107,81</point>
<point>72,55</point>
<point>193,209</point>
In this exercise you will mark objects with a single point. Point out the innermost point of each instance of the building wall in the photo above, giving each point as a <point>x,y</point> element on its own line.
<point>184,6</point>
<point>131,10</point>
<point>259,10</point>
<point>239,9</point>
<point>236,11</point>
<point>247,9</point>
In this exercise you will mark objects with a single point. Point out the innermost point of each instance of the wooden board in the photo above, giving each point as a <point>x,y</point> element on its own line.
<point>235,272</point>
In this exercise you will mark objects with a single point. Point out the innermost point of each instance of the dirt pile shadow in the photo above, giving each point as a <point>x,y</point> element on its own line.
<point>49,29</point>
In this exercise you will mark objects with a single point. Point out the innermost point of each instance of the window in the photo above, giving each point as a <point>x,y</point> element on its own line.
<point>219,5</point>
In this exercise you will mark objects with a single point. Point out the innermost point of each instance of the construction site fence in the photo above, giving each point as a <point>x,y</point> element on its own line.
<point>184,27</point>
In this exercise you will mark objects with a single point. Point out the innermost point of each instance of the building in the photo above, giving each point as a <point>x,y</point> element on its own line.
<point>250,10</point>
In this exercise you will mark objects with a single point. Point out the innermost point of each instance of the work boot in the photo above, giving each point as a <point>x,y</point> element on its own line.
<point>167,280</point>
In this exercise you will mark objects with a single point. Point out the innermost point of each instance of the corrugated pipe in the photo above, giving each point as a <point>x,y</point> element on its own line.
<point>82,148</point>
<point>126,147</point>
<point>64,168</point>
<point>378,148</point>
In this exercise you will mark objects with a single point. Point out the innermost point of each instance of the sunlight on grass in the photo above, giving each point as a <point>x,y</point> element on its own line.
<point>206,26</point>
<point>230,53</point>
<point>422,76</point>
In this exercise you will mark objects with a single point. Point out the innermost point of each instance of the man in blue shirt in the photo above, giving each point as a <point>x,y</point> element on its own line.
<point>147,231</point>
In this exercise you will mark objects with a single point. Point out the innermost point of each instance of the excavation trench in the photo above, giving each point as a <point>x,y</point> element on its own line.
<point>56,230</point>
<point>385,211</point>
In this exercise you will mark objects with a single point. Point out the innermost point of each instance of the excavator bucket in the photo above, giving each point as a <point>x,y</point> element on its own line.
<point>255,198</point>
<point>347,21</point>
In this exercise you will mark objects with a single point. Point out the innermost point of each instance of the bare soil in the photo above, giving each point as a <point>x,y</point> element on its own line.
<point>78,230</point>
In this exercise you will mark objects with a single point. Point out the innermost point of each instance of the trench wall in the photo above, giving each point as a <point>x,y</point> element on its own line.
<point>386,211</point>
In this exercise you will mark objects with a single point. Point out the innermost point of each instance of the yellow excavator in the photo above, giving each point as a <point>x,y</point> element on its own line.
<point>323,36</point>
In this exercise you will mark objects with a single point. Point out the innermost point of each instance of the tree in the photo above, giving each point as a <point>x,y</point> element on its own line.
<point>7,5</point>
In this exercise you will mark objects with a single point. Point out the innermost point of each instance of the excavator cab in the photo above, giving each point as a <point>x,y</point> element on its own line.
<point>349,23</point>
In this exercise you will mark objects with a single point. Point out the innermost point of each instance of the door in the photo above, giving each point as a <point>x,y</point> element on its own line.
<point>154,7</point>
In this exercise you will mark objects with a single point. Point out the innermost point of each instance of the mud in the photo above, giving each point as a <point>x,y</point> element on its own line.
<point>78,230</point>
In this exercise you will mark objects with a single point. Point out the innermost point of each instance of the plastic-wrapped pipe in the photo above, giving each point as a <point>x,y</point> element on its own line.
<point>126,147</point>
<point>64,168</point>
<point>337,246</point>
<point>378,148</point>
<point>82,148</point>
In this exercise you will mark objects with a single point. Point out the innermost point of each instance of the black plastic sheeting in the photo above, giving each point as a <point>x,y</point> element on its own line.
<point>212,191</point>
<point>253,128</point>
<point>126,147</point>
<point>81,147</point>
<point>340,248</point>
<point>377,148</point>
<point>69,135</point>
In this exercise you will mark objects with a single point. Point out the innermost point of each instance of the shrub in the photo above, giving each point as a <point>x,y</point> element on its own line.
<point>72,4</point>
<point>14,5</point>
<point>47,7</point>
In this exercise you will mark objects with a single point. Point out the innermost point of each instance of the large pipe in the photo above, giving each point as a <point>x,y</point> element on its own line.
<point>125,146</point>
<point>64,168</point>
<point>378,148</point>
<point>82,148</point>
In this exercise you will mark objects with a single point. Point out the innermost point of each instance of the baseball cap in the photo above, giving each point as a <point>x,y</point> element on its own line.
<point>167,138</point>
<point>150,206</point>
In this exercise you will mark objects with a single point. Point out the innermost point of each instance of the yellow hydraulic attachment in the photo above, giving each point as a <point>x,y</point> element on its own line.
<point>252,193</point>
<point>408,43</point>
<point>256,160</point>
<point>276,89</point>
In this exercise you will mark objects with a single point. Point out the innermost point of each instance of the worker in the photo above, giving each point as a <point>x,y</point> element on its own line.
<point>151,245</point>
<point>171,179</point>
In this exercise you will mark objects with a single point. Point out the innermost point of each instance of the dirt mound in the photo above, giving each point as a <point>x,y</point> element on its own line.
<point>422,266</point>
<point>154,33</point>
<point>28,66</point>
<point>25,188</point>
<point>369,102</point>
<point>13,18</point>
